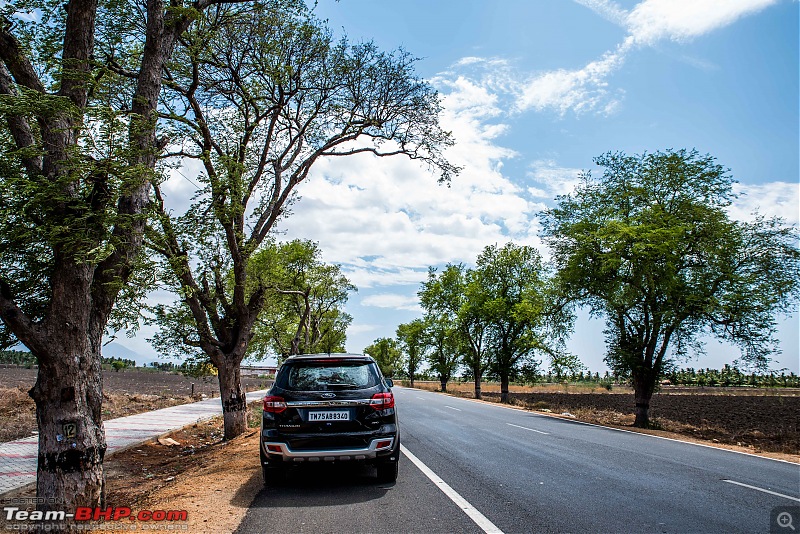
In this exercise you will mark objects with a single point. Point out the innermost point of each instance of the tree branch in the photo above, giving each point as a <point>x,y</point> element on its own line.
<point>18,125</point>
<point>18,64</point>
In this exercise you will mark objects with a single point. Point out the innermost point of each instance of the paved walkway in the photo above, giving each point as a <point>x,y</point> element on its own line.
<point>18,458</point>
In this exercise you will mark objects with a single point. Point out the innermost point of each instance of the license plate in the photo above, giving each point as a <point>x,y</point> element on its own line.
<point>338,415</point>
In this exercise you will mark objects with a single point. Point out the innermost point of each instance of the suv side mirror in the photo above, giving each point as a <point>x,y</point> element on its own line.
<point>389,382</point>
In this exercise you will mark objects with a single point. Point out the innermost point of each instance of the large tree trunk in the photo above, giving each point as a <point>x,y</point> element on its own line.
<point>443,383</point>
<point>68,395</point>
<point>643,386</point>
<point>478,372</point>
<point>67,341</point>
<point>504,387</point>
<point>234,400</point>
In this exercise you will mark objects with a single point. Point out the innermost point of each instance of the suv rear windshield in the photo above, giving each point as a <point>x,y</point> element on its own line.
<point>324,376</point>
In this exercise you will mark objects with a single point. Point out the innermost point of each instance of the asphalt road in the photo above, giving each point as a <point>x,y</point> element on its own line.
<point>514,471</point>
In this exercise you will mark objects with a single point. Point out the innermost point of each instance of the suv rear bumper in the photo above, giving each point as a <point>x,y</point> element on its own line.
<point>378,446</point>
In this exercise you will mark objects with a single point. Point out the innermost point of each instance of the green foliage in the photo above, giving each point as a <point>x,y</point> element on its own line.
<point>198,369</point>
<point>164,366</point>
<point>66,158</point>
<point>564,364</point>
<point>411,343</point>
<point>650,247</point>
<point>511,284</point>
<point>17,357</point>
<point>493,318</point>
<point>118,363</point>
<point>387,354</point>
<point>257,93</point>
<point>439,298</point>
<point>303,312</point>
<point>731,376</point>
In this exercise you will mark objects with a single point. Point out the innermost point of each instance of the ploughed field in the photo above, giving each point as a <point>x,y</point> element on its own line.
<point>125,392</point>
<point>765,420</point>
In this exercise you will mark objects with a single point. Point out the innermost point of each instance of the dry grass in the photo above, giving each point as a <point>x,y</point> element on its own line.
<point>214,480</point>
<point>17,414</point>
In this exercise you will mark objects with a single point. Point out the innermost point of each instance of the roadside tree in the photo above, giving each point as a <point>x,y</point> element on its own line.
<point>441,297</point>
<point>650,246</point>
<point>411,342</point>
<point>78,149</point>
<point>387,354</point>
<point>441,348</point>
<point>511,284</point>
<point>303,313</point>
<point>472,326</point>
<point>455,297</point>
<point>258,93</point>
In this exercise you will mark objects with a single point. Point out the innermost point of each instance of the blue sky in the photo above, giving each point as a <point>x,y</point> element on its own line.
<point>533,90</point>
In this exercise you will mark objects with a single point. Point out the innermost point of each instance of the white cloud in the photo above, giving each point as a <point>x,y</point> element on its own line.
<point>607,9</point>
<point>361,328</point>
<point>680,20</point>
<point>781,199</point>
<point>577,90</point>
<point>393,300</point>
<point>553,179</point>
<point>387,219</point>
<point>587,89</point>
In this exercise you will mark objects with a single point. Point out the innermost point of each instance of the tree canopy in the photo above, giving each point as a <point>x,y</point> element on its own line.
<point>511,285</point>
<point>411,343</point>
<point>387,354</point>
<point>650,246</point>
<point>305,311</point>
<point>258,93</point>
<point>79,87</point>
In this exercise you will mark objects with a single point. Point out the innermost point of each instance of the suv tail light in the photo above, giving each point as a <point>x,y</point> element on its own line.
<point>274,404</point>
<point>382,401</point>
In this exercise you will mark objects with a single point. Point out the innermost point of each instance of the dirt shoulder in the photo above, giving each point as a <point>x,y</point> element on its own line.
<point>215,485</point>
<point>213,481</point>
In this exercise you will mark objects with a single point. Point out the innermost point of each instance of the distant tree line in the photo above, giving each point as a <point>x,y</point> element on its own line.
<point>119,363</point>
<point>165,366</point>
<point>728,376</point>
<point>732,376</point>
<point>17,357</point>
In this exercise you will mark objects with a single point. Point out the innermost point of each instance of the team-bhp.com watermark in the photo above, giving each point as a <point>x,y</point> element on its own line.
<point>85,518</point>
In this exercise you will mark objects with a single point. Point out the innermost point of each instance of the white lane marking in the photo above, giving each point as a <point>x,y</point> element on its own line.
<point>456,409</point>
<point>421,398</point>
<point>762,490</point>
<point>531,429</point>
<point>479,519</point>
<point>537,414</point>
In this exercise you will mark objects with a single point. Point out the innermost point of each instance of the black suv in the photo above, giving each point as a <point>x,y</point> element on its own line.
<point>329,408</point>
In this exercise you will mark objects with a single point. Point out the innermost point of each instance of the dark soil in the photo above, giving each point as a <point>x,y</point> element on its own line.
<point>766,422</point>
